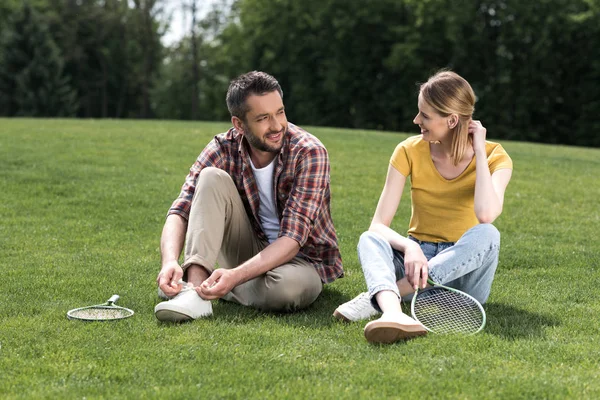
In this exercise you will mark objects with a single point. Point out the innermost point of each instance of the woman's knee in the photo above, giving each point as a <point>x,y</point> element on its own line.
<point>369,236</point>
<point>486,233</point>
<point>370,241</point>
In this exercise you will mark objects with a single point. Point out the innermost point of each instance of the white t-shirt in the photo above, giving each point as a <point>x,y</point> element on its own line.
<point>267,211</point>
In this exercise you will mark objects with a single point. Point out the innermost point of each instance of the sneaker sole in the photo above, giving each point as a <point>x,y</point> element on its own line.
<point>391,332</point>
<point>171,316</point>
<point>341,316</point>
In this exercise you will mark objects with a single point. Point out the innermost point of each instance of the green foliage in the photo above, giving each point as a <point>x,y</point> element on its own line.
<point>7,9</point>
<point>112,52</point>
<point>328,56</point>
<point>32,79</point>
<point>173,91</point>
<point>81,218</point>
<point>542,75</point>
<point>108,51</point>
<point>534,65</point>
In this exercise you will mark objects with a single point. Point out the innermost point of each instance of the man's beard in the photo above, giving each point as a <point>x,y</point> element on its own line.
<point>262,145</point>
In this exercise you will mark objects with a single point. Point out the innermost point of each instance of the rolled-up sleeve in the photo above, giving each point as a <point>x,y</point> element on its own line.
<point>311,183</point>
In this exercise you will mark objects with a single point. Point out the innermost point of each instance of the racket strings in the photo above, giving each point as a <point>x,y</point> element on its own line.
<point>97,313</point>
<point>444,311</point>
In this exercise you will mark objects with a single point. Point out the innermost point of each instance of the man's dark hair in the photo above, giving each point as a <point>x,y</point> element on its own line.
<point>251,83</point>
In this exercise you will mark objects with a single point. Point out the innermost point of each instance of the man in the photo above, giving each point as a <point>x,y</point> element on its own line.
<point>257,202</point>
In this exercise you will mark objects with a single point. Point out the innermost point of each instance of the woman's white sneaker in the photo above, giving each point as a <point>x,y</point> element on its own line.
<point>357,309</point>
<point>185,306</point>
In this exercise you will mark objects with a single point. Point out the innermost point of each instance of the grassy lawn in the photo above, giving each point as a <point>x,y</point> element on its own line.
<point>82,205</point>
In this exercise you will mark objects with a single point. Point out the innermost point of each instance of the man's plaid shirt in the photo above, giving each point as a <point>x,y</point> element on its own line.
<point>302,190</point>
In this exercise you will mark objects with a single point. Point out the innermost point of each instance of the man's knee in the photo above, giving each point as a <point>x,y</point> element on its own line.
<point>290,292</point>
<point>212,176</point>
<point>214,183</point>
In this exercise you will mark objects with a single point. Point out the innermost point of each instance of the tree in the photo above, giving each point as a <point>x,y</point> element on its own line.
<point>32,79</point>
<point>112,50</point>
<point>147,37</point>
<point>215,63</point>
<point>534,65</point>
<point>7,9</point>
<point>194,59</point>
<point>329,56</point>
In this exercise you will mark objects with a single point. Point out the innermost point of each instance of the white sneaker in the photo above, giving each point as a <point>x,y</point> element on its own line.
<point>356,309</point>
<point>185,306</point>
<point>162,295</point>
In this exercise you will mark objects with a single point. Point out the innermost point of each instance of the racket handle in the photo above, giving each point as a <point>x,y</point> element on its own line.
<point>113,299</point>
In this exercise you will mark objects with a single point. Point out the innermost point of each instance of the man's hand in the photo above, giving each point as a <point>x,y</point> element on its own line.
<point>415,266</point>
<point>168,277</point>
<point>218,284</point>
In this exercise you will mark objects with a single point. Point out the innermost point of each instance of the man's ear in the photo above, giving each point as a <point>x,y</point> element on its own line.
<point>238,124</point>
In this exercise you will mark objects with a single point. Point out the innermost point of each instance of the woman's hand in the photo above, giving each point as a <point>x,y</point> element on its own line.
<point>415,266</point>
<point>477,132</point>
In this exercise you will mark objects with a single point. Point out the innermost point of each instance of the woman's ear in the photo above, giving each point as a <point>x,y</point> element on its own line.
<point>452,121</point>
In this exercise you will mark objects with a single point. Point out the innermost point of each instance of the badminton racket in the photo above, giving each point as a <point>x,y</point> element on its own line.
<point>101,312</point>
<point>442,309</point>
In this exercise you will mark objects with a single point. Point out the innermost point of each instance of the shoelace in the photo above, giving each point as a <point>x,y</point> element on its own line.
<point>186,286</point>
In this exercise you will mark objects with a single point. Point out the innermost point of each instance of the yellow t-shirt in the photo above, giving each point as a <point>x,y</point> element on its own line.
<point>442,209</point>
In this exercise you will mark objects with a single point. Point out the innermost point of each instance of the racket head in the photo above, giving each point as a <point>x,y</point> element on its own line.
<point>445,310</point>
<point>101,312</point>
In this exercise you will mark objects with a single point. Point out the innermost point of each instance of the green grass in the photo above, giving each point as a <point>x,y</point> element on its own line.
<point>82,205</point>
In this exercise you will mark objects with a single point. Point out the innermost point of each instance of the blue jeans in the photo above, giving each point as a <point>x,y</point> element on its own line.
<point>468,265</point>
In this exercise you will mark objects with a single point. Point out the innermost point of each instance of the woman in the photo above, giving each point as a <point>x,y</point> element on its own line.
<point>458,181</point>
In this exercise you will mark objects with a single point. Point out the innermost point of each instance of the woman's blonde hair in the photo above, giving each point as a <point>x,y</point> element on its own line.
<point>449,93</point>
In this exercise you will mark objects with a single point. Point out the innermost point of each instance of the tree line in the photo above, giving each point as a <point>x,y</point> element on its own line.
<point>535,66</point>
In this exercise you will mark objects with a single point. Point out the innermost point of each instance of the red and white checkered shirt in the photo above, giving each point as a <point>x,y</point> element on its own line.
<point>302,190</point>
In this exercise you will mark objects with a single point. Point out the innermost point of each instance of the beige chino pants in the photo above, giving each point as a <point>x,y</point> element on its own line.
<point>219,231</point>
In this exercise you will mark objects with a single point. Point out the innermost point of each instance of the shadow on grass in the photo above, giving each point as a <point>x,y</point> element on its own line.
<point>317,315</point>
<point>503,320</point>
<point>513,323</point>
